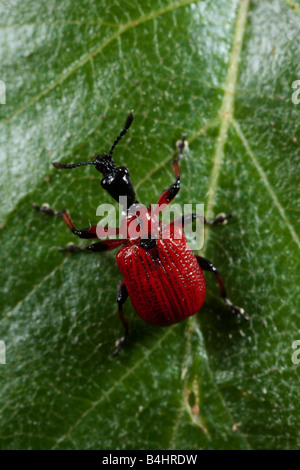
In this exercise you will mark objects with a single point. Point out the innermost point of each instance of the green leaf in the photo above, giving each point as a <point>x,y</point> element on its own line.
<point>223,73</point>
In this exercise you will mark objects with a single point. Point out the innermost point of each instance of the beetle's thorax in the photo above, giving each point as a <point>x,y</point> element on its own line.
<point>140,223</point>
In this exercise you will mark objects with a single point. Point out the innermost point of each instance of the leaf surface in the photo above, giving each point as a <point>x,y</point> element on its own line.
<point>223,73</point>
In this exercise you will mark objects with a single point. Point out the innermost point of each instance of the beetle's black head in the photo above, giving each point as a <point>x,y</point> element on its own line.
<point>116,180</point>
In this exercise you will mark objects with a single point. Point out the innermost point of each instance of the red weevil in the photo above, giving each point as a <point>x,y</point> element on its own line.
<point>162,277</point>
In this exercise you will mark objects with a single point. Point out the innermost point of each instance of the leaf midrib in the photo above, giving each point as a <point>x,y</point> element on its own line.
<point>226,115</point>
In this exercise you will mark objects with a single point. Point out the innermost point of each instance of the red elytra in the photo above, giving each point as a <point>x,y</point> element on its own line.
<point>161,275</point>
<point>165,284</point>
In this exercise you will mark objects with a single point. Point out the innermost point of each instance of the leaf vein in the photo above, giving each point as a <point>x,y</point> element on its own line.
<point>266,182</point>
<point>86,57</point>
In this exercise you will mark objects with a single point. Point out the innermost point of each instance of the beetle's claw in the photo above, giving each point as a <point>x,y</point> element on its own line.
<point>239,312</point>
<point>222,219</point>
<point>120,344</point>
<point>46,209</point>
<point>181,145</point>
<point>71,248</point>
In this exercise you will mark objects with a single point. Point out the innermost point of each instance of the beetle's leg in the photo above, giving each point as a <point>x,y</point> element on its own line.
<point>168,194</point>
<point>206,265</point>
<point>221,219</point>
<point>98,247</point>
<point>181,222</point>
<point>121,297</point>
<point>86,233</point>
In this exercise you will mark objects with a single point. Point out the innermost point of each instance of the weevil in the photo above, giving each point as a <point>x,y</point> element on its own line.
<point>162,277</point>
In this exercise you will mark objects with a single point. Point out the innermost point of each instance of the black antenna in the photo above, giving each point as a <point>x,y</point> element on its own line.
<point>122,133</point>
<point>128,123</point>
<point>70,165</point>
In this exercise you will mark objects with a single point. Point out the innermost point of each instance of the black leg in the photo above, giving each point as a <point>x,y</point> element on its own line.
<point>221,219</point>
<point>121,298</point>
<point>89,233</point>
<point>206,265</point>
<point>98,247</point>
<point>86,233</point>
<point>168,194</point>
<point>185,220</point>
